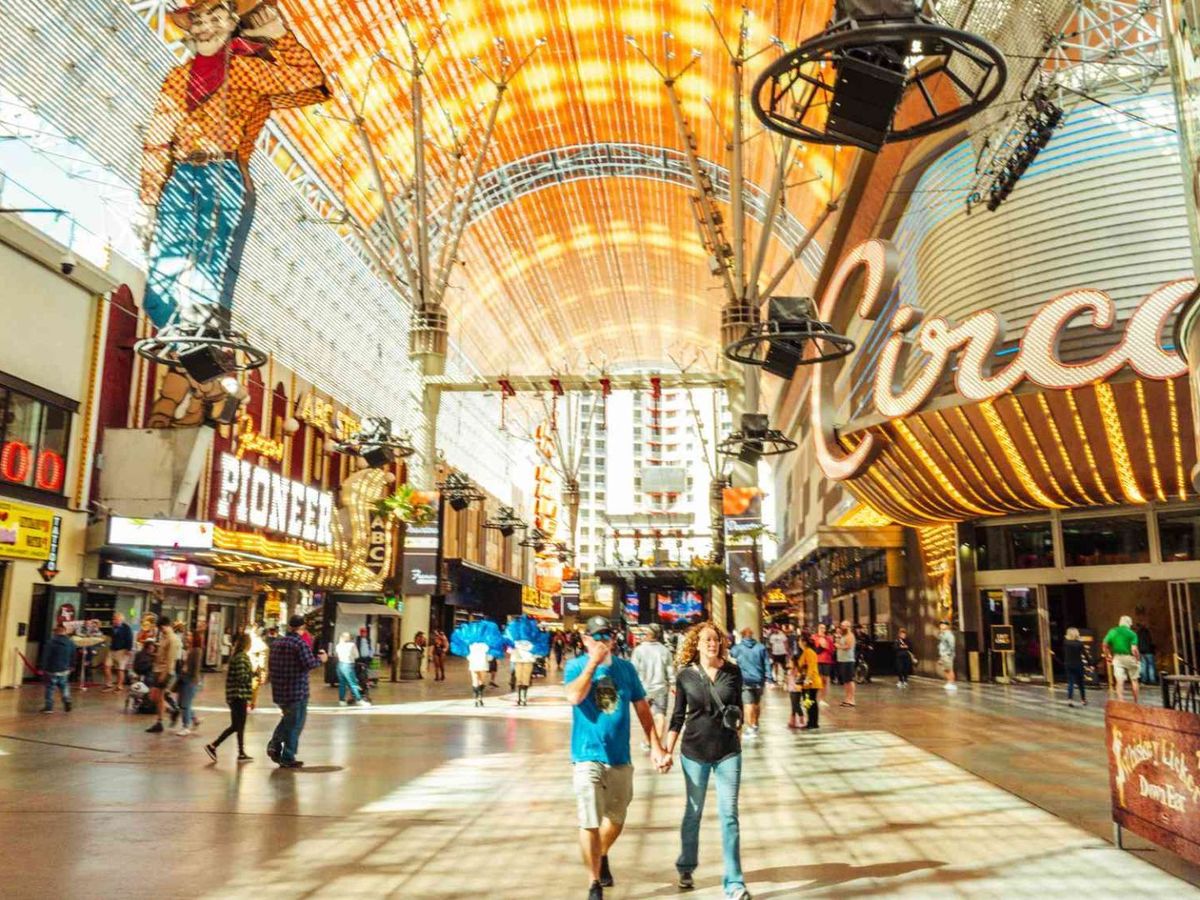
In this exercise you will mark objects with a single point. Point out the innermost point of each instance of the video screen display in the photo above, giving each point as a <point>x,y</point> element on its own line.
<point>630,608</point>
<point>680,606</point>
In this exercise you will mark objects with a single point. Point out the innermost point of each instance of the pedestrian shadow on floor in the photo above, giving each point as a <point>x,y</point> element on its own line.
<point>810,878</point>
<point>308,770</point>
<point>817,877</point>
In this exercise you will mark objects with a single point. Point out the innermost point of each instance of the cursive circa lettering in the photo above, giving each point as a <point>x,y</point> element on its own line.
<point>974,341</point>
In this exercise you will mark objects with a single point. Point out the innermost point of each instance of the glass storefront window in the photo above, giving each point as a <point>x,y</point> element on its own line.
<point>1179,535</point>
<point>1026,546</point>
<point>33,442</point>
<point>1106,541</point>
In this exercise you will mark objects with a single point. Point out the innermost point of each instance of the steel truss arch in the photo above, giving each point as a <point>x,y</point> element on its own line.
<point>579,162</point>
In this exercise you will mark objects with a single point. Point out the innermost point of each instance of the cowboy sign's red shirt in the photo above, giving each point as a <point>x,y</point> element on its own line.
<point>227,120</point>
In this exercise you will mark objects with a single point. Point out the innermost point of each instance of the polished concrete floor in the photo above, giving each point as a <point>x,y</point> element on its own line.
<point>987,792</point>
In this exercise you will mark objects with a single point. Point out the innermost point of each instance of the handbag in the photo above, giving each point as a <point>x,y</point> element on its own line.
<point>731,716</point>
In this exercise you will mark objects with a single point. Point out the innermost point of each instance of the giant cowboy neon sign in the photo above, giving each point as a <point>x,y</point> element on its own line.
<point>974,341</point>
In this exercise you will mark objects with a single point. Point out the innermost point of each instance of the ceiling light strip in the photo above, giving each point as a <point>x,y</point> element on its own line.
<point>1116,443</point>
<point>1037,449</point>
<point>1176,443</point>
<point>938,474</point>
<point>1014,457</point>
<point>1044,405</point>
<point>1087,447</point>
<point>969,430</point>
<point>984,483</point>
<point>1155,477</point>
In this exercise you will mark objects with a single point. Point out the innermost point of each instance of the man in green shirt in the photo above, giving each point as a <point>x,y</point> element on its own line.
<point>1121,650</point>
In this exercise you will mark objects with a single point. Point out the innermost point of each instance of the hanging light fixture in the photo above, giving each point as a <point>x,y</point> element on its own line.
<point>506,522</point>
<point>460,492</point>
<point>205,347</point>
<point>845,85</point>
<point>535,538</point>
<point>376,443</point>
<point>791,336</point>
<point>755,440</point>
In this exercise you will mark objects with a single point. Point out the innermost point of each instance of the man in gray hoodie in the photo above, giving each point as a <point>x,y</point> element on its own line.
<point>656,668</point>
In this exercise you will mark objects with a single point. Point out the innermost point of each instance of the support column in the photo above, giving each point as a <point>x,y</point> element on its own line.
<point>415,618</point>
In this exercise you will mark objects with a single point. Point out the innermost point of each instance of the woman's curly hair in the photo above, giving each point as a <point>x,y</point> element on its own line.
<point>688,647</point>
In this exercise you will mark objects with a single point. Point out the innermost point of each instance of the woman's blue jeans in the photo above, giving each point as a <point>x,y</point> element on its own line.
<point>347,681</point>
<point>187,696</point>
<point>729,778</point>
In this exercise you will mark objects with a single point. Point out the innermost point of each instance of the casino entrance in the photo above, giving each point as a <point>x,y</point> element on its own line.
<point>1024,609</point>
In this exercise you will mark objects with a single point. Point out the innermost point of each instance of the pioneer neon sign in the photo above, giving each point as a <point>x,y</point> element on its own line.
<point>255,496</point>
<point>974,342</point>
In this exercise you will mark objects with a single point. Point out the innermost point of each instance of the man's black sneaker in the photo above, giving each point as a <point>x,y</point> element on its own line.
<point>294,764</point>
<point>686,881</point>
<point>67,705</point>
<point>272,754</point>
<point>211,751</point>
<point>596,892</point>
<point>606,879</point>
<point>155,728</point>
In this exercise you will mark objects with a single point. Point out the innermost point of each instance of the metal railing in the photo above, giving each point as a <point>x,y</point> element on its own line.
<point>1181,692</point>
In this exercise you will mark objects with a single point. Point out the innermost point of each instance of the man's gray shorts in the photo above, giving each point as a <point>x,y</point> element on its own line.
<point>658,702</point>
<point>602,792</point>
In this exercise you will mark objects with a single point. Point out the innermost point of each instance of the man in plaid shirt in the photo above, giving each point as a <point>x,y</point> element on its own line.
<point>198,200</point>
<point>291,661</point>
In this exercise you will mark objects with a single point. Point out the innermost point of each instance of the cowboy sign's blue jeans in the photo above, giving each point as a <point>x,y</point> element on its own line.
<point>204,216</point>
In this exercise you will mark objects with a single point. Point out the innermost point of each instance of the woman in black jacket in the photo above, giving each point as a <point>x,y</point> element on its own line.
<point>1073,663</point>
<point>708,705</point>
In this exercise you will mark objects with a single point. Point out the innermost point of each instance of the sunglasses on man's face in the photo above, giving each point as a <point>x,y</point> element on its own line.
<point>602,636</point>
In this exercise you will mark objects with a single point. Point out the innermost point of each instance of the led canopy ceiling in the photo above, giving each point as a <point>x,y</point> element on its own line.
<point>605,268</point>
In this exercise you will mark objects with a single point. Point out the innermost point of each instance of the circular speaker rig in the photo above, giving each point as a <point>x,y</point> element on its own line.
<point>845,85</point>
<point>755,440</point>
<point>376,443</point>
<point>506,522</point>
<point>460,492</point>
<point>204,351</point>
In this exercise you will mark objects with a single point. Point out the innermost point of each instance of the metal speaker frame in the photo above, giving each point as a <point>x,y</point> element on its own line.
<point>773,442</point>
<point>795,337</point>
<point>178,339</point>
<point>506,522</point>
<point>459,489</point>
<point>369,440</point>
<point>886,45</point>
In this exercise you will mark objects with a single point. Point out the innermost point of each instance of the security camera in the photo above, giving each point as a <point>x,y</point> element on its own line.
<point>68,263</point>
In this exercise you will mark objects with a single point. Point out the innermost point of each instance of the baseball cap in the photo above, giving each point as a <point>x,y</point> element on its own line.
<point>598,624</point>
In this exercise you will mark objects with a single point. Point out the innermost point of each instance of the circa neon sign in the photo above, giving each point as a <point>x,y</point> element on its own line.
<point>974,341</point>
<point>251,495</point>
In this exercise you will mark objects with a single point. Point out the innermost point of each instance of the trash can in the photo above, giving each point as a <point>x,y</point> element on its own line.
<point>410,662</point>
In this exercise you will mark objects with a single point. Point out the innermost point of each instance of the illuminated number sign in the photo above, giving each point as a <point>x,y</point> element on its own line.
<point>33,441</point>
<point>255,496</point>
<point>17,463</point>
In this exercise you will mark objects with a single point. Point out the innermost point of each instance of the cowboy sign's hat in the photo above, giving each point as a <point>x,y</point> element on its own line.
<point>182,16</point>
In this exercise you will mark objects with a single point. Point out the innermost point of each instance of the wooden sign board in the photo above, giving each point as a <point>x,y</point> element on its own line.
<point>1154,774</point>
<point>1002,639</point>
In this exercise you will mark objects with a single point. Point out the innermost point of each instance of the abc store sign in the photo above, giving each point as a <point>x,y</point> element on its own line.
<point>255,496</point>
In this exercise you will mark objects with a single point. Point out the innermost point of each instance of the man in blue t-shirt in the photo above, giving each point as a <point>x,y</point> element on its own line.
<point>600,687</point>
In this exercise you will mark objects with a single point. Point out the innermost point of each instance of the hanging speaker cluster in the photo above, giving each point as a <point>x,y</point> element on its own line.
<point>791,336</point>
<point>845,85</point>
